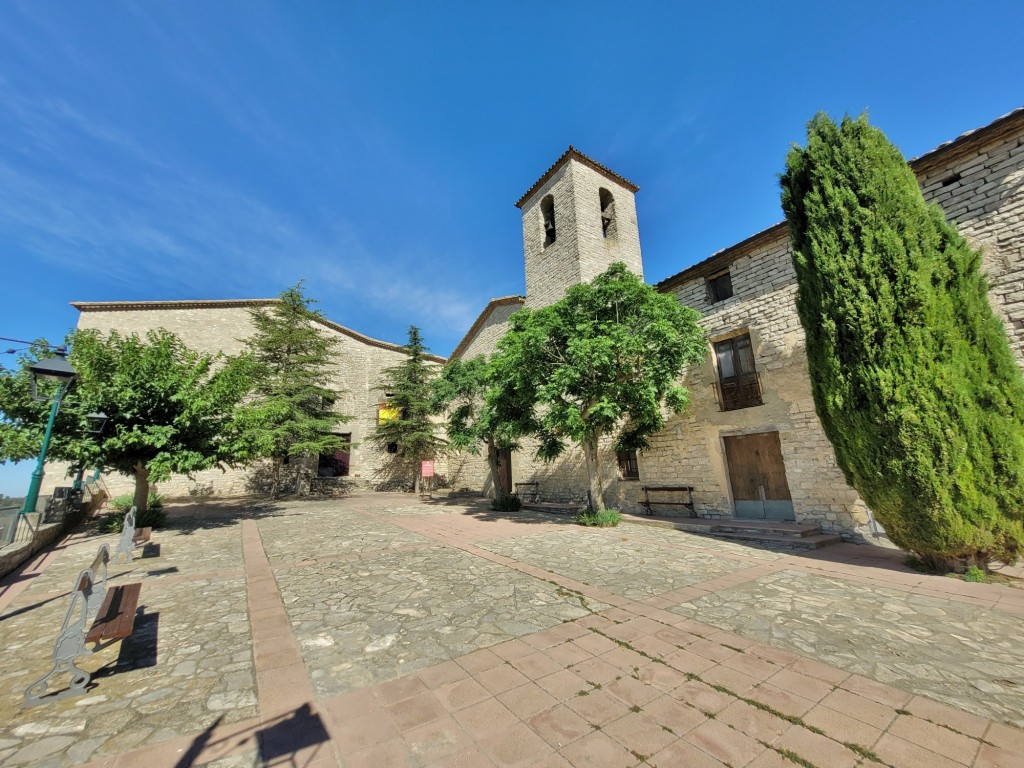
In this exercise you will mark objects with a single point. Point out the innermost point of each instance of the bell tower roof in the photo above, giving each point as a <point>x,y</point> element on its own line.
<point>574,154</point>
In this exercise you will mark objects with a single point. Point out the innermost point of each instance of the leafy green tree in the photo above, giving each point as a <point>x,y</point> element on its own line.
<point>912,373</point>
<point>473,423</point>
<point>169,409</point>
<point>407,429</point>
<point>602,362</point>
<point>291,412</point>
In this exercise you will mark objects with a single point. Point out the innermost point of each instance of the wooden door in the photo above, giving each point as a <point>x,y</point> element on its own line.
<point>757,475</point>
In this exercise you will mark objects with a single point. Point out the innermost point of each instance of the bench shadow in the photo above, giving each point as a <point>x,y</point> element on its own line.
<point>164,571</point>
<point>32,606</point>
<point>138,651</point>
<point>150,550</point>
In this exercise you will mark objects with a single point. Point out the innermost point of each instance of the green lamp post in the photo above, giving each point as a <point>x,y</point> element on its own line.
<point>57,369</point>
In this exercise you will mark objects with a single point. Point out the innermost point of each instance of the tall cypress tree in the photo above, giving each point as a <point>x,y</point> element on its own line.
<point>912,373</point>
<point>406,428</point>
<point>291,414</point>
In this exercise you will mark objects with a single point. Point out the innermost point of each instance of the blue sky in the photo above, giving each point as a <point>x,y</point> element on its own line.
<point>189,150</point>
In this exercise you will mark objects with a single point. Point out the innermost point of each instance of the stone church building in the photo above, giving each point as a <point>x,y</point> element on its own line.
<point>750,445</point>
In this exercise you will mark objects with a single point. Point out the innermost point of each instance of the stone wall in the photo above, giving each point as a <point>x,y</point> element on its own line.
<point>489,329</point>
<point>690,451</point>
<point>580,251</point>
<point>213,327</point>
<point>979,182</point>
<point>980,186</point>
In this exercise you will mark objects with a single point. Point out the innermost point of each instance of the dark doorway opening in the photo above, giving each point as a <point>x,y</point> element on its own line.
<point>336,464</point>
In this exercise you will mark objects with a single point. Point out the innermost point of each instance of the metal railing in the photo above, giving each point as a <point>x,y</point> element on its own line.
<point>740,392</point>
<point>16,528</point>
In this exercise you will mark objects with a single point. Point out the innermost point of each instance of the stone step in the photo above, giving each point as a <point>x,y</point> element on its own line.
<point>690,525</point>
<point>768,529</point>
<point>554,507</point>
<point>813,541</point>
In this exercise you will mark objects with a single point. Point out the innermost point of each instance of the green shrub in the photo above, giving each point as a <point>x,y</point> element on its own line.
<point>510,502</point>
<point>123,503</point>
<point>602,518</point>
<point>912,373</point>
<point>153,517</point>
<point>975,574</point>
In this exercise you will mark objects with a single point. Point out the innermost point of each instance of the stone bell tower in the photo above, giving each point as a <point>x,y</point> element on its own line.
<point>578,219</point>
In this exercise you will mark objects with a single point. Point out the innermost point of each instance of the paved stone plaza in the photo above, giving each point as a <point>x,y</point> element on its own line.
<point>379,630</point>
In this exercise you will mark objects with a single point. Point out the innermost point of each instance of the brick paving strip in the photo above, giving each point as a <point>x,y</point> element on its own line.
<point>289,729</point>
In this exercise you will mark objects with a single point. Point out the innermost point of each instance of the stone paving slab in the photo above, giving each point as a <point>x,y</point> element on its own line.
<point>381,630</point>
<point>618,564</point>
<point>183,547</point>
<point>965,655</point>
<point>323,531</point>
<point>685,539</point>
<point>360,622</point>
<point>188,665</point>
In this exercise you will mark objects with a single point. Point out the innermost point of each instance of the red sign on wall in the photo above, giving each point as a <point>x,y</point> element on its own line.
<point>427,470</point>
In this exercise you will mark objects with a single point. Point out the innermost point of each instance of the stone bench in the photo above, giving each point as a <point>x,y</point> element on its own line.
<point>648,502</point>
<point>528,492</point>
<point>113,618</point>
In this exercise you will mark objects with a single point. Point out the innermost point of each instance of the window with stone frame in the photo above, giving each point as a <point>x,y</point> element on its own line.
<point>629,469</point>
<point>738,383</point>
<point>607,212</point>
<point>719,287</point>
<point>547,212</point>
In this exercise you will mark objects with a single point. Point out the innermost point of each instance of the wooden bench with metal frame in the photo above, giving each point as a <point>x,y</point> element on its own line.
<point>114,611</point>
<point>131,537</point>
<point>648,502</point>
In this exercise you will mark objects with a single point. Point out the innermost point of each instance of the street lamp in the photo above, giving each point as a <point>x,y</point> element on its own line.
<point>57,369</point>
<point>97,421</point>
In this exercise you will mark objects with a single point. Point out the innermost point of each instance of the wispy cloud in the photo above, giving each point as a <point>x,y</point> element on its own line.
<point>166,230</point>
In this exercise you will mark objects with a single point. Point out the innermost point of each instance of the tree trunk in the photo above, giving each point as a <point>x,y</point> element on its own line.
<point>416,482</point>
<point>275,485</point>
<point>492,467</point>
<point>141,500</point>
<point>594,471</point>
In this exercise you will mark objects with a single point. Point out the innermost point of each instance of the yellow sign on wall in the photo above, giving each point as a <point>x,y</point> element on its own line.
<point>387,412</point>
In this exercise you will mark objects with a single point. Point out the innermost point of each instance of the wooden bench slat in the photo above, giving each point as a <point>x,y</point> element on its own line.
<point>116,617</point>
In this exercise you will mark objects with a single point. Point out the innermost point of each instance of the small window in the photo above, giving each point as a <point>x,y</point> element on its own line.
<point>607,212</point>
<point>720,287</point>
<point>547,211</point>
<point>392,447</point>
<point>628,467</point>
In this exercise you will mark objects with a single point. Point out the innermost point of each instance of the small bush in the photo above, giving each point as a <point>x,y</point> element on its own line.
<point>510,502</point>
<point>976,574</point>
<point>123,503</point>
<point>602,518</point>
<point>153,517</point>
